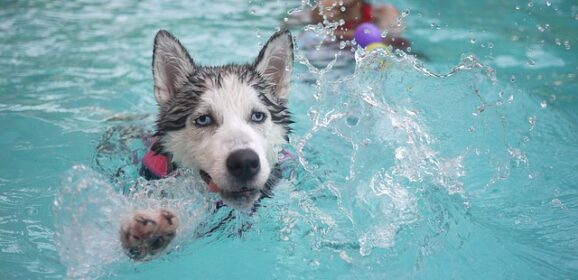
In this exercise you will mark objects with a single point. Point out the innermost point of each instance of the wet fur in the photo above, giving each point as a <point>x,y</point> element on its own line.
<point>229,95</point>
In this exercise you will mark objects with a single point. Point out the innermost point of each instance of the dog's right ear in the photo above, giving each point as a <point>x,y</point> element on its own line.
<point>171,66</point>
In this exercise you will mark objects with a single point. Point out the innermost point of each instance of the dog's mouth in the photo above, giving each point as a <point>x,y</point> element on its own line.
<point>207,178</point>
<point>213,187</point>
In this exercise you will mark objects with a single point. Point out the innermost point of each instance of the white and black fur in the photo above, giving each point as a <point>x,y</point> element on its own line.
<point>228,122</point>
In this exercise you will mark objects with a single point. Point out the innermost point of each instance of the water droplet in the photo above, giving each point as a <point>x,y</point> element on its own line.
<point>540,28</point>
<point>530,4</point>
<point>548,3</point>
<point>285,19</point>
<point>384,34</point>
<point>531,62</point>
<point>532,121</point>
<point>342,9</point>
<point>253,12</point>
<point>543,104</point>
<point>517,8</point>
<point>567,44</point>
<point>558,41</point>
<point>511,99</point>
<point>490,45</point>
<point>408,49</point>
<point>473,40</point>
<point>405,13</point>
<point>342,45</point>
<point>513,78</point>
<point>552,98</point>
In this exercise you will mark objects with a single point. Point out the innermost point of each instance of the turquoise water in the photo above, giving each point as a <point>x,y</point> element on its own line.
<point>462,165</point>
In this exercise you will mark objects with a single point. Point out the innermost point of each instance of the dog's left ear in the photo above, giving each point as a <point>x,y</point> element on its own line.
<point>275,62</point>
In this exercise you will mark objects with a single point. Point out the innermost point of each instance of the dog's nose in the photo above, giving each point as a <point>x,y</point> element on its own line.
<point>243,164</point>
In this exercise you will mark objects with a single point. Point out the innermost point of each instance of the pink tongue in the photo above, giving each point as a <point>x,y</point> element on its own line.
<point>213,187</point>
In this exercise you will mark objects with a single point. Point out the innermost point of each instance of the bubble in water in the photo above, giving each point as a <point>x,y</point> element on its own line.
<point>258,33</point>
<point>558,41</point>
<point>343,9</point>
<point>490,45</point>
<point>543,104</point>
<point>517,8</point>
<point>531,62</point>
<point>567,44</point>
<point>473,40</point>
<point>384,34</point>
<point>434,25</point>
<point>352,120</point>
<point>285,19</point>
<point>253,12</point>
<point>342,45</point>
<point>530,4</point>
<point>548,3</point>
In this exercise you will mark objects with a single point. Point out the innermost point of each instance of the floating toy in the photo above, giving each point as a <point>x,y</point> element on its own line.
<point>368,36</point>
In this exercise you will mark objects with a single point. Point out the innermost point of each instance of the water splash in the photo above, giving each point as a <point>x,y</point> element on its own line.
<point>89,211</point>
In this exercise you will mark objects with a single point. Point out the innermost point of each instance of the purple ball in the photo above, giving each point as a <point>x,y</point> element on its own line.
<point>367,34</point>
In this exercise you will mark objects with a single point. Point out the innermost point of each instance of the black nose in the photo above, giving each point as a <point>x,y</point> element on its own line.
<point>243,164</point>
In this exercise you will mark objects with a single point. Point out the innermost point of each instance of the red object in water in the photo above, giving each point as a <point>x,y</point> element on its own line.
<point>157,164</point>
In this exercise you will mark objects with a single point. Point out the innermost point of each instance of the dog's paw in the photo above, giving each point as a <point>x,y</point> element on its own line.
<point>148,232</point>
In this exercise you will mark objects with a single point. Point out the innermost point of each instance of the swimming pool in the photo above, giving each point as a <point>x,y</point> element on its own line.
<point>403,173</point>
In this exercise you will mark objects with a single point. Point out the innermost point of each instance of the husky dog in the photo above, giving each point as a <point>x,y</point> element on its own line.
<point>228,122</point>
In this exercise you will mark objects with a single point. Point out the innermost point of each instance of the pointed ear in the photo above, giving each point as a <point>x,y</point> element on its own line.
<point>275,62</point>
<point>171,66</point>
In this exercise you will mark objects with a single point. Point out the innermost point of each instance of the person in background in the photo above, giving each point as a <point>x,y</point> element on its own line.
<point>352,13</point>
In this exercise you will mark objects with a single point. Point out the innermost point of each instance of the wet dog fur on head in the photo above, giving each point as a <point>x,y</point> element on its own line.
<point>228,122</point>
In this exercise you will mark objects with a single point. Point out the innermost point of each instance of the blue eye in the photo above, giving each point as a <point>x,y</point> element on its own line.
<point>258,117</point>
<point>203,120</point>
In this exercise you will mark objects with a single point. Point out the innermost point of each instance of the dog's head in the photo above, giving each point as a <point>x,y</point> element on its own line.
<point>228,121</point>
